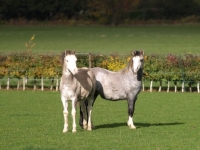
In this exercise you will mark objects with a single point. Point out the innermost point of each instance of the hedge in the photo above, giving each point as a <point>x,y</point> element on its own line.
<point>157,68</point>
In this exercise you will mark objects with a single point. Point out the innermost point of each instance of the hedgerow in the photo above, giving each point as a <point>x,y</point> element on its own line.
<point>169,67</point>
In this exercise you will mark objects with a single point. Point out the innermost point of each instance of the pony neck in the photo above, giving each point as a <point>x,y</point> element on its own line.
<point>66,71</point>
<point>139,74</point>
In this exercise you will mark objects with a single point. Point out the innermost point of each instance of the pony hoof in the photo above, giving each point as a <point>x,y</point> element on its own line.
<point>73,131</point>
<point>132,127</point>
<point>85,127</point>
<point>89,129</point>
<point>65,131</point>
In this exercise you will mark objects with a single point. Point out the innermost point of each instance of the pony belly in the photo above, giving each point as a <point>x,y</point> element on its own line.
<point>115,96</point>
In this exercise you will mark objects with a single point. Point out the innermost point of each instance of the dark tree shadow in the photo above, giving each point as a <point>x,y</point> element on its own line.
<point>138,125</point>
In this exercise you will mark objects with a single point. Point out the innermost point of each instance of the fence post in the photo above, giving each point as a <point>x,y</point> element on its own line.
<point>8,83</point>
<point>183,74</point>
<point>57,84</point>
<point>42,84</point>
<point>24,83</point>
<point>90,60</point>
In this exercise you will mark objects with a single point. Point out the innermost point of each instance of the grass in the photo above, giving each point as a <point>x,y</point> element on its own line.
<point>33,120</point>
<point>102,39</point>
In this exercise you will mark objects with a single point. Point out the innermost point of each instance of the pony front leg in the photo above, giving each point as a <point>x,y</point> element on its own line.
<point>73,116</point>
<point>65,114</point>
<point>130,113</point>
<point>130,123</point>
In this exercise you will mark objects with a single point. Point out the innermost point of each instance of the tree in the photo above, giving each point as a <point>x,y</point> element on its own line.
<point>110,11</point>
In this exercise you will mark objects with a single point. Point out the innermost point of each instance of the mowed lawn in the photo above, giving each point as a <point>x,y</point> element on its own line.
<point>33,120</point>
<point>163,39</point>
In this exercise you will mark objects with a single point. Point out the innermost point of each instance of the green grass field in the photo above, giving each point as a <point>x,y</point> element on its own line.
<point>102,39</point>
<point>33,120</point>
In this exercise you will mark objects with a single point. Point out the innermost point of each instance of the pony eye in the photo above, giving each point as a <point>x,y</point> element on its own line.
<point>141,60</point>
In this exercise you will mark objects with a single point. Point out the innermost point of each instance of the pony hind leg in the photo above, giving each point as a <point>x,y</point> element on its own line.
<point>84,114</point>
<point>90,103</point>
<point>86,104</point>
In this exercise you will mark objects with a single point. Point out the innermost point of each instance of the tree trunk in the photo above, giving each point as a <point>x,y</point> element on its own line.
<point>198,86</point>
<point>151,86</point>
<point>168,86</point>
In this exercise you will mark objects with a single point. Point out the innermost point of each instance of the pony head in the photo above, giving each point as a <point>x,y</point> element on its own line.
<point>137,60</point>
<point>69,61</point>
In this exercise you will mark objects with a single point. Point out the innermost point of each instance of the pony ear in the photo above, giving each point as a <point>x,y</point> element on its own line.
<point>133,53</point>
<point>66,52</point>
<point>74,51</point>
<point>142,52</point>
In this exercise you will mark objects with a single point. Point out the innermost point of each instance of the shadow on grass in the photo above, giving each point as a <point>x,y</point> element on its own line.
<point>35,148</point>
<point>138,125</point>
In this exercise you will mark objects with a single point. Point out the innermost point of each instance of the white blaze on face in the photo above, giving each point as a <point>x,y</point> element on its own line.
<point>71,63</point>
<point>136,63</point>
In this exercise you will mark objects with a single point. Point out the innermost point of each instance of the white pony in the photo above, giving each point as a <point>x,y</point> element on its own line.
<point>76,85</point>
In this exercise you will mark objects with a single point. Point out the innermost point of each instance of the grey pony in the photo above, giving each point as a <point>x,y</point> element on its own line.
<point>124,84</point>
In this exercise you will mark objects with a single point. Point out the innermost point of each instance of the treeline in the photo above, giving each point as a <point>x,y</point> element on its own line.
<point>176,69</point>
<point>99,11</point>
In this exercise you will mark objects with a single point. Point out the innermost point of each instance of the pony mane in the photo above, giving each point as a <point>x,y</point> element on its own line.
<point>130,63</point>
<point>128,66</point>
<point>65,53</point>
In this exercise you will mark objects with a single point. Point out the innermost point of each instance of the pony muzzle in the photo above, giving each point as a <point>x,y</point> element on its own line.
<point>75,71</point>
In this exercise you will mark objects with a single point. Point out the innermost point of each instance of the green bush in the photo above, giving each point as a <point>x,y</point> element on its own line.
<point>156,67</point>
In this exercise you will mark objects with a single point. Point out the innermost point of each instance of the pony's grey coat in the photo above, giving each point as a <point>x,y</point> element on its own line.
<point>124,84</point>
<point>117,85</point>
